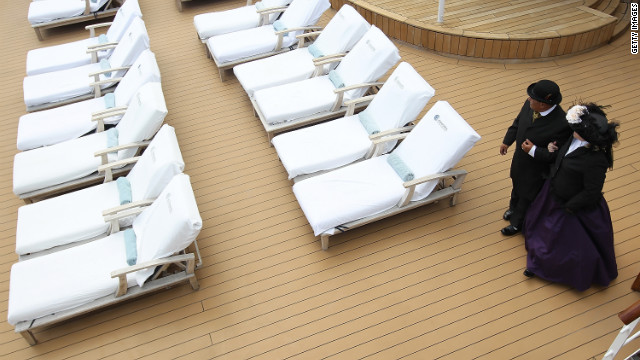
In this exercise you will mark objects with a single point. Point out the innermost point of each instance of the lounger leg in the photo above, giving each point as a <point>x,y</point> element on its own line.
<point>28,335</point>
<point>38,34</point>
<point>179,4</point>
<point>324,241</point>
<point>194,283</point>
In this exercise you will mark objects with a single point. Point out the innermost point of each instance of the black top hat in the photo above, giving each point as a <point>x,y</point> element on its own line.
<point>545,91</point>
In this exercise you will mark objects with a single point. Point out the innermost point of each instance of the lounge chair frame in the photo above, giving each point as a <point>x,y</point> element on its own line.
<point>442,192</point>
<point>105,173</point>
<point>223,68</point>
<point>109,10</point>
<point>339,108</point>
<point>96,85</point>
<point>161,279</point>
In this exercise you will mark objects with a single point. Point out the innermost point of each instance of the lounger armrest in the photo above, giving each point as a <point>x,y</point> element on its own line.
<point>384,134</point>
<point>271,10</point>
<point>327,59</point>
<point>115,211</point>
<point>92,28</point>
<point>120,147</point>
<point>630,314</point>
<point>99,116</point>
<point>340,92</point>
<point>100,72</point>
<point>102,82</point>
<point>121,274</point>
<point>115,214</point>
<point>281,34</point>
<point>306,36</point>
<point>108,112</point>
<point>100,47</point>
<point>351,104</point>
<point>117,164</point>
<point>410,186</point>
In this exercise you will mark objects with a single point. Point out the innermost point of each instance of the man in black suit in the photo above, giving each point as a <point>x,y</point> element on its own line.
<point>540,121</point>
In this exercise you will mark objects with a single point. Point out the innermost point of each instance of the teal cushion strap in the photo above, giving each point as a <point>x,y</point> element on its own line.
<point>124,190</point>
<point>279,25</point>
<point>315,51</point>
<point>368,122</point>
<point>260,5</point>
<point>104,65</point>
<point>336,79</point>
<point>400,167</point>
<point>130,246</point>
<point>102,39</point>
<point>109,101</point>
<point>112,137</point>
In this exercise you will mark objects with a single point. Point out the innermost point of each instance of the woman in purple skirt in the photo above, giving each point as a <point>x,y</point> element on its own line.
<point>568,231</point>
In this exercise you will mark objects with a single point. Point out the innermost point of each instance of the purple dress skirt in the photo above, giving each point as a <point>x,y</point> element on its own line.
<point>572,249</point>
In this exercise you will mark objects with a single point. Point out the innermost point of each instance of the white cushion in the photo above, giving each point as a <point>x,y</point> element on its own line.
<point>169,225</point>
<point>143,118</point>
<point>441,132</point>
<point>245,43</point>
<point>349,193</point>
<point>369,59</point>
<point>342,32</point>
<point>64,219</point>
<point>125,14</point>
<point>143,70</point>
<point>58,85</point>
<point>340,35</point>
<point>323,146</point>
<point>50,10</point>
<point>73,54</point>
<point>133,42</point>
<point>65,279</point>
<point>77,215</point>
<point>159,163</point>
<point>223,22</point>
<point>276,70</point>
<point>46,166</point>
<point>295,100</point>
<point>48,127</point>
<point>67,122</point>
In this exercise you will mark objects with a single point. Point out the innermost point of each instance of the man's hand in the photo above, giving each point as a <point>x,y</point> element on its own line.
<point>503,149</point>
<point>527,145</point>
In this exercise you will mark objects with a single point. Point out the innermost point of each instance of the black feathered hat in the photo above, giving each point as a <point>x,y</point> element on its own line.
<point>545,91</point>
<point>591,123</point>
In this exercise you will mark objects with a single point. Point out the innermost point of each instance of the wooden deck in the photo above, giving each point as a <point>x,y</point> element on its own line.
<point>437,282</point>
<point>517,30</point>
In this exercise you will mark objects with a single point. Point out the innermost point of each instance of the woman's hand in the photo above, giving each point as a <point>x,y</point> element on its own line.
<point>552,147</point>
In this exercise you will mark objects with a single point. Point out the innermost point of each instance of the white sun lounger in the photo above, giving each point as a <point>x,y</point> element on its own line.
<point>74,54</point>
<point>64,86</point>
<point>78,216</point>
<point>336,143</point>
<point>339,36</point>
<point>245,17</point>
<point>290,106</point>
<point>229,50</point>
<point>72,164</point>
<point>45,14</point>
<point>383,186</point>
<point>65,284</point>
<point>51,126</point>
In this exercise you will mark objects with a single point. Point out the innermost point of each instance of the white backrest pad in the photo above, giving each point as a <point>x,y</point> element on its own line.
<point>143,118</point>
<point>275,3</point>
<point>369,59</point>
<point>123,18</point>
<point>342,32</point>
<point>159,163</point>
<point>132,43</point>
<point>169,225</point>
<point>437,143</point>
<point>144,69</point>
<point>303,13</point>
<point>401,98</point>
